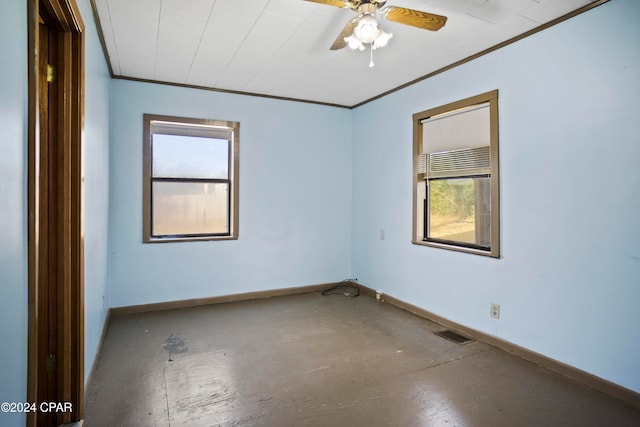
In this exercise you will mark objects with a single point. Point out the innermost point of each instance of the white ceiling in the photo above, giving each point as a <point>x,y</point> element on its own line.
<point>281,47</point>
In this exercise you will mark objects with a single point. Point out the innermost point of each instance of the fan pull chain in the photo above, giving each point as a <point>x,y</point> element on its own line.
<point>371,62</point>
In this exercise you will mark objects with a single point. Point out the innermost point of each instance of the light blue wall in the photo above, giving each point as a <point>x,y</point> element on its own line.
<point>13,193</point>
<point>13,206</point>
<point>294,225</point>
<point>96,187</point>
<point>568,281</point>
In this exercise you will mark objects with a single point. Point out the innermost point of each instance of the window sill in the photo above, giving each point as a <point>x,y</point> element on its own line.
<point>188,239</point>
<point>492,253</point>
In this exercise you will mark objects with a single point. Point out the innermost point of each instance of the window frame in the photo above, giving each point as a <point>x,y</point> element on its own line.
<point>148,178</point>
<point>420,212</point>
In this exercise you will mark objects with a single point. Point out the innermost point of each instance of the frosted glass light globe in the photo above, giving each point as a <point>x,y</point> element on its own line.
<point>367,29</point>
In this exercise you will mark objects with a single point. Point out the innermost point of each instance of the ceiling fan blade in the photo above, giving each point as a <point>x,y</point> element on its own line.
<point>346,32</point>
<point>415,18</point>
<point>336,3</point>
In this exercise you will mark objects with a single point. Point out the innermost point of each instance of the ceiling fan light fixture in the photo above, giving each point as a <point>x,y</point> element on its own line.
<point>354,43</point>
<point>382,40</point>
<point>367,30</point>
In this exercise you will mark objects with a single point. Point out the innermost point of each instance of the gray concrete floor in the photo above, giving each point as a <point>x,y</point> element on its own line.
<point>312,360</point>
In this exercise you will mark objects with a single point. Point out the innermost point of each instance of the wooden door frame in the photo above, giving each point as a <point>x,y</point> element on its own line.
<point>66,19</point>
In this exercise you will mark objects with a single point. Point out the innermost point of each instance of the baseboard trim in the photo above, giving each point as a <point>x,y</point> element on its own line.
<point>195,302</point>
<point>105,327</point>
<point>612,389</point>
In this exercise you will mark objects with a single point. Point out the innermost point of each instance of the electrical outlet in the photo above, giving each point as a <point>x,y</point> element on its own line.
<point>381,234</point>
<point>495,310</point>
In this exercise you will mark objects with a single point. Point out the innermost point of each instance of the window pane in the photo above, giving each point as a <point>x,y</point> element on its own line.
<point>183,208</point>
<point>459,210</point>
<point>177,156</point>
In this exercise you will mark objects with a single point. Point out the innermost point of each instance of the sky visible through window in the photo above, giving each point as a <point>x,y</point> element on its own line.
<point>177,156</point>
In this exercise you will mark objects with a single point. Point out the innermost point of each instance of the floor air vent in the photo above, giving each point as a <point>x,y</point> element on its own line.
<point>453,336</point>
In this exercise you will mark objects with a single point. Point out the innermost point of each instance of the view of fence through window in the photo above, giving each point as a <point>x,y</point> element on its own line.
<point>186,208</point>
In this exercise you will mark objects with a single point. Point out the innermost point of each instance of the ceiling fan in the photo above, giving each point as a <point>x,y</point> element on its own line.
<point>365,29</point>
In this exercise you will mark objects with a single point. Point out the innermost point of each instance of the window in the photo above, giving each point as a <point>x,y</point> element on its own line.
<point>190,179</point>
<point>456,181</point>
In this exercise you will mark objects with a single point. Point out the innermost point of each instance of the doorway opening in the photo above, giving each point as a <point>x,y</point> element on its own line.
<point>56,214</point>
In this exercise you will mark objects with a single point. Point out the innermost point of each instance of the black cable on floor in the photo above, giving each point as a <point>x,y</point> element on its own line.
<point>348,288</point>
